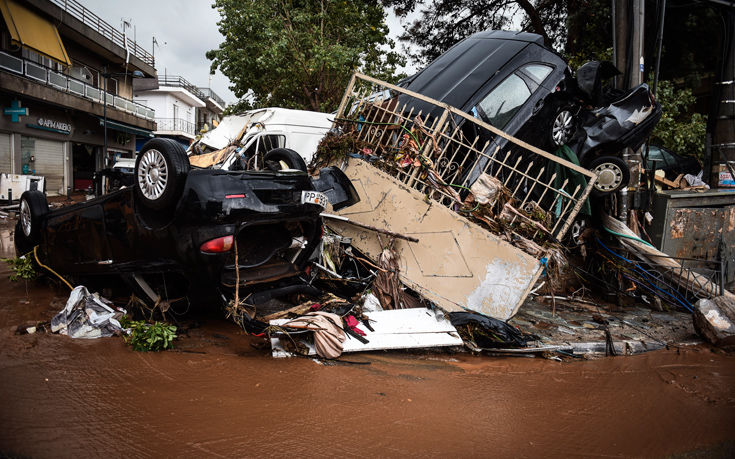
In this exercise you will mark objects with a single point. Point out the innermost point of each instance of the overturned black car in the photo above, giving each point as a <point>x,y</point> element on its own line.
<point>183,231</point>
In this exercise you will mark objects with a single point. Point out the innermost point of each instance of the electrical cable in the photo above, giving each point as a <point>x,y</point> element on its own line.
<point>682,302</point>
<point>626,236</point>
<point>35,255</point>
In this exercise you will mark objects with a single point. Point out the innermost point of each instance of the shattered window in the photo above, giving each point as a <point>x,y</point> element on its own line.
<point>262,145</point>
<point>498,107</point>
<point>538,72</point>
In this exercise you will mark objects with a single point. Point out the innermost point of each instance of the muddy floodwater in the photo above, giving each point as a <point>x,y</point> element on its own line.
<point>221,394</point>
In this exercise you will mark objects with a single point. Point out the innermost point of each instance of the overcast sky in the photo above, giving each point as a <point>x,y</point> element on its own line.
<point>184,30</point>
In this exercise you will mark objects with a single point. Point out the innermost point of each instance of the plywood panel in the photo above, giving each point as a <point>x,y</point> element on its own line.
<point>456,263</point>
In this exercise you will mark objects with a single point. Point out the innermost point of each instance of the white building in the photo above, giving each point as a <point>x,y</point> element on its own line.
<point>175,102</point>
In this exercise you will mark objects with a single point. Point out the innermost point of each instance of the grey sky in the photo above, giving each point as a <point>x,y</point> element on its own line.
<point>184,30</point>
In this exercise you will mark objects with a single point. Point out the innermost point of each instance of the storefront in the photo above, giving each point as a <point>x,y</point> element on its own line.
<point>63,145</point>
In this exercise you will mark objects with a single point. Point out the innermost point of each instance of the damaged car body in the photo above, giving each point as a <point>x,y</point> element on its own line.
<point>187,231</point>
<point>513,82</point>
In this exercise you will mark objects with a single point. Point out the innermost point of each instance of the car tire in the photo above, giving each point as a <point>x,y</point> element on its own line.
<point>292,159</point>
<point>33,208</point>
<point>563,125</point>
<point>160,172</point>
<point>612,174</point>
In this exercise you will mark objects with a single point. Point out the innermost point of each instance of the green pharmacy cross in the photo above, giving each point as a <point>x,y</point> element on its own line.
<point>15,111</point>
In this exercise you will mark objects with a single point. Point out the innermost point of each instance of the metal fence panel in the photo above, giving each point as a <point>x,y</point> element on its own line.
<point>453,151</point>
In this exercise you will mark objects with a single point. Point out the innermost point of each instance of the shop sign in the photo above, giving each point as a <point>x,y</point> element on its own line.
<point>15,111</point>
<point>47,124</point>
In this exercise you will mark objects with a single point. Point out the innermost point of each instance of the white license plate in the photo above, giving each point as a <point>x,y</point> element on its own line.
<point>314,197</point>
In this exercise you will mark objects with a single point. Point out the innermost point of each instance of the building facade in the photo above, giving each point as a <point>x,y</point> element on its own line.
<point>175,102</point>
<point>66,83</point>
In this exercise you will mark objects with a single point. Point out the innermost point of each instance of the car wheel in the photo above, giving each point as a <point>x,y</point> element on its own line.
<point>33,207</point>
<point>578,227</point>
<point>160,173</point>
<point>563,126</point>
<point>612,174</point>
<point>290,158</point>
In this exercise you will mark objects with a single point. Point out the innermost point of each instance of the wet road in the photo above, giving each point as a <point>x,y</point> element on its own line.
<point>218,395</point>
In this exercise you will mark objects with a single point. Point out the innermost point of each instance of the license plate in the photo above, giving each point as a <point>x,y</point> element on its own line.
<point>314,197</point>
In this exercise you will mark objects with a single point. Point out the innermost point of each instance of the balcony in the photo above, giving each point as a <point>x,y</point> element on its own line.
<point>208,93</point>
<point>91,20</point>
<point>64,83</point>
<point>180,82</point>
<point>175,126</point>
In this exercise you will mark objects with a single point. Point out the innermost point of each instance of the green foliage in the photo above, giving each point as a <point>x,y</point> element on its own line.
<point>300,54</point>
<point>589,32</point>
<point>679,130</point>
<point>145,337</point>
<point>22,268</point>
<point>576,60</point>
<point>442,23</point>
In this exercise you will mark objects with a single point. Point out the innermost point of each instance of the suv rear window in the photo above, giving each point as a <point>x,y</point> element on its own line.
<point>498,107</point>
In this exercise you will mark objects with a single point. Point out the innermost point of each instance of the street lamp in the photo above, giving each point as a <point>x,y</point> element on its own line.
<point>106,75</point>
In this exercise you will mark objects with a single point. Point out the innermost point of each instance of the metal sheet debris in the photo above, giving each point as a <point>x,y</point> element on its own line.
<point>395,329</point>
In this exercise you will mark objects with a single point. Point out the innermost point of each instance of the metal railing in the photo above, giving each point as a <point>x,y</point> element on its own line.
<point>180,82</point>
<point>443,152</point>
<point>88,18</point>
<point>175,124</point>
<point>212,95</point>
<point>65,83</point>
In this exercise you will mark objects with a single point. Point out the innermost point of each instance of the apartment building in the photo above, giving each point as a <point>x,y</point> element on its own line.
<point>181,108</point>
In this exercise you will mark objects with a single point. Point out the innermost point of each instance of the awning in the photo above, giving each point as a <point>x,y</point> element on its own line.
<point>125,128</point>
<point>33,31</point>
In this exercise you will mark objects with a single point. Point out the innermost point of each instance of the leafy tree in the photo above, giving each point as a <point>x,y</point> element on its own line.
<point>679,130</point>
<point>300,53</point>
<point>442,23</point>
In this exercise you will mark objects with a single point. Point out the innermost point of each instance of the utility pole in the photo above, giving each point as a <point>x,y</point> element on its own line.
<point>629,18</point>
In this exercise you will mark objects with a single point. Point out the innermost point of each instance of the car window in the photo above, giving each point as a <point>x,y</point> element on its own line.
<point>498,107</point>
<point>539,72</point>
<point>669,158</point>
<point>262,145</point>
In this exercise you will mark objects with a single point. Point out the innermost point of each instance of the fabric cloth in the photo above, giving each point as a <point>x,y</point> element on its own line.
<point>328,333</point>
<point>352,322</point>
<point>87,316</point>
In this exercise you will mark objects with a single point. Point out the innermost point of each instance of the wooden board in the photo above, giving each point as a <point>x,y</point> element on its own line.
<point>456,263</point>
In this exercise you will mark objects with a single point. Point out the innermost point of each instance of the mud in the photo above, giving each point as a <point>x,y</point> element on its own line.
<point>221,394</point>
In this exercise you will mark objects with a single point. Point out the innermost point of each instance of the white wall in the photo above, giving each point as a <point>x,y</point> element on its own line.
<point>163,104</point>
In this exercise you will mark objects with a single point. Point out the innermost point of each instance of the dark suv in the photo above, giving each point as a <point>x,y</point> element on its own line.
<point>513,82</point>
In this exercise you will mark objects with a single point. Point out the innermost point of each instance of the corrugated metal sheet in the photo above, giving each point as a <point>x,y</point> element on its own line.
<point>5,159</point>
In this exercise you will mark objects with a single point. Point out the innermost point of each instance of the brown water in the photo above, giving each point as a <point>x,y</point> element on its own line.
<point>218,395</point>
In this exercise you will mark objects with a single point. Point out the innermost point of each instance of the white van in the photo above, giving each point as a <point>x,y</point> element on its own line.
<point>239,141</point>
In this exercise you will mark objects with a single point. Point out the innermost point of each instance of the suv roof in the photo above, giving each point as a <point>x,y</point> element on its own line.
<point>456,75</point>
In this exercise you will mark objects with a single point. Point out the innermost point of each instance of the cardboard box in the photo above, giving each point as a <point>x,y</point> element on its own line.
<point>724,177</point>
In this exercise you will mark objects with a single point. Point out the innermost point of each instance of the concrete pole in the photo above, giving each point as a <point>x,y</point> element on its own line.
<point>629,40</point>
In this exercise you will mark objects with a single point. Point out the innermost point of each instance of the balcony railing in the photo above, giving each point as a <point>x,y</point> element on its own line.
<point>180,82</point>
<point>64,83</point>
<point>88,18</point>
<point>175,124</point>
<point>212,95</point>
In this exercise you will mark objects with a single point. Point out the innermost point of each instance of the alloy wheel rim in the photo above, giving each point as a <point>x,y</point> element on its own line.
<point>609,176</point>
<point>562,128</point>
<point>25,217</point>
<point>152,174</point>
